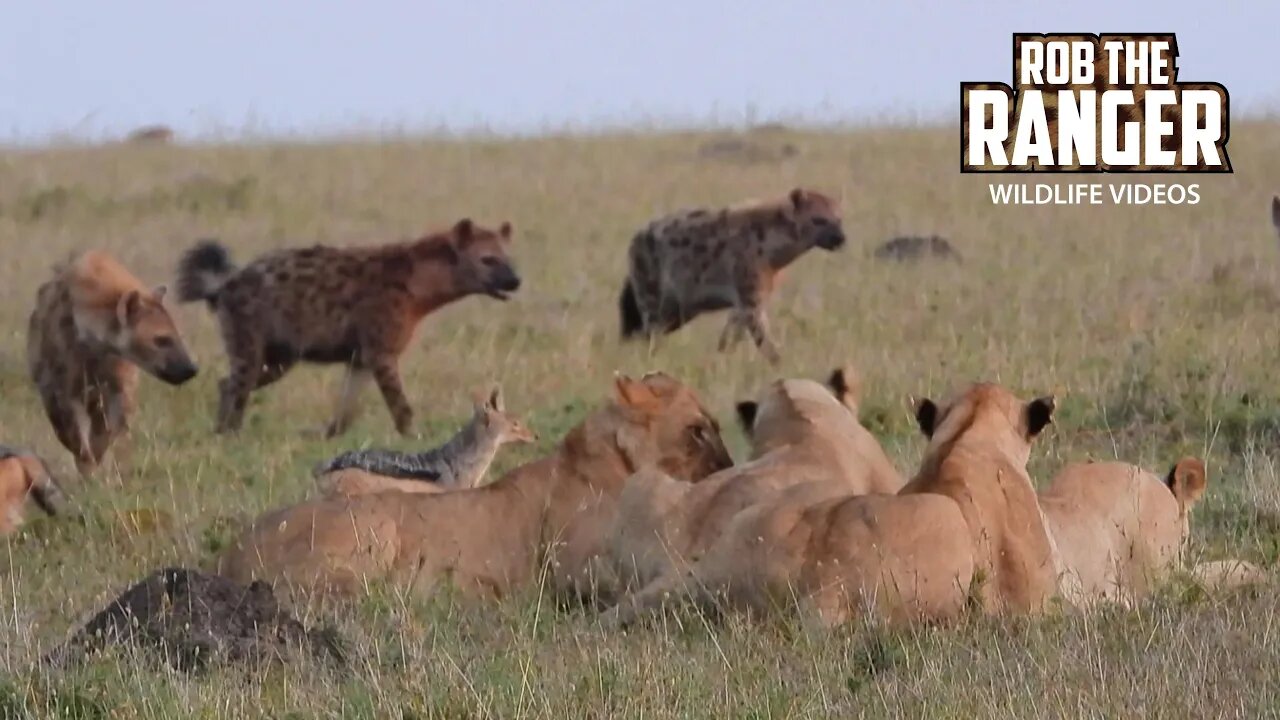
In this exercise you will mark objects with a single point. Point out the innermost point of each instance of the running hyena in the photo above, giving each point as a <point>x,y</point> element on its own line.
<point>355,306</point>
<point>93,326</point>
<point>702,260</point>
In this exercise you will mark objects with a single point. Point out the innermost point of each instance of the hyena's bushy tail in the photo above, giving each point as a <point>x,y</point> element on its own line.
<point>632,322</point>
<point>203,270</point>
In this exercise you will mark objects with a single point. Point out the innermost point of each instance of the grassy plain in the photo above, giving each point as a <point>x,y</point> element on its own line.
<point>1156,326</point>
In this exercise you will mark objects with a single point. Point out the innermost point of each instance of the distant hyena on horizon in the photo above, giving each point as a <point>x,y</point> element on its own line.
<point>357,306</point>
<point>701,260</point>
<point>93,326</point>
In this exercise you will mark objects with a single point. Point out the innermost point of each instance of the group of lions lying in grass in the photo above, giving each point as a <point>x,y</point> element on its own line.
<point>641,507</point>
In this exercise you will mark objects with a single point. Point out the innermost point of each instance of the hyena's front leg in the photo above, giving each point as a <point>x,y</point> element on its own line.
<point>757,323</point>
<point>749,312</point>
<point>734,328</point>
<point>387,375</point>
<point>70,420</point>
<point>109,422</point>
<point>353,384</point>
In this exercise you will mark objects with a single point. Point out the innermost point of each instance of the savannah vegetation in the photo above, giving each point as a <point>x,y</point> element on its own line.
<point>1156,326</point>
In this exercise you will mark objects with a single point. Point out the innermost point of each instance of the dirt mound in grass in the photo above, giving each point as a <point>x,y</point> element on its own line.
<point>193,619</point>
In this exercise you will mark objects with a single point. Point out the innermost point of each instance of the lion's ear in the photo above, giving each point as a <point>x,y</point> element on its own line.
<point>927,416</point>
<point>747,410</point>
<point>635,394</point>
<point>1039,414</point>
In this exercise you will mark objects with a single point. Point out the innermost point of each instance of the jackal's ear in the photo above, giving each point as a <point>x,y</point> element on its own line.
<point>463,231</point>
<point>798,198</point>
<point>1275,211</point>
<point>495,402</point>
<point>504,231</point>
<point>128,306</point>
<point>159,292</point>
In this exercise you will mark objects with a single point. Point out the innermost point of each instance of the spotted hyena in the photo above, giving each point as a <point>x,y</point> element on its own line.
<point>703,260</point>
<point>354,306</point>
<point>93,326</point>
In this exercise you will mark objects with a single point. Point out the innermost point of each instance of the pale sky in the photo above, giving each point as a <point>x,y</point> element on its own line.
<point>93,68</point>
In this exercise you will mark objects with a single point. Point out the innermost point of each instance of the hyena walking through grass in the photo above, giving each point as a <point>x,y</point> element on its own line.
<point>93,326</point>
<point>701,260</point>
<point>355,306</point>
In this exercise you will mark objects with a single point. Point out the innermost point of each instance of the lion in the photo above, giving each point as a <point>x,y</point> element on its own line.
<point>966,526</point>
<point>1120,530</point>
<point>800,433</point>
<point>489,541</point>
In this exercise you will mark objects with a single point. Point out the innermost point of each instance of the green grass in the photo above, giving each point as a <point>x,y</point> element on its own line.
<point>1117,309</point>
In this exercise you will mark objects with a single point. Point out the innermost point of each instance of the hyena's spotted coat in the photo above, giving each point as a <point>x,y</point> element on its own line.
<point>93,326</point>
<point>355,306</point>
<point>702,260</point>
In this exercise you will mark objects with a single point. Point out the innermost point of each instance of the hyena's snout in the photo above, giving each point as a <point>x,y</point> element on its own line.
<point>831,238</point>
<point>501,281</point>
<point>176,369</point>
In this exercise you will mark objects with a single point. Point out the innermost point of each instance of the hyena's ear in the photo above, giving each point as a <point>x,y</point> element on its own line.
<point>927,416</point>
<point>463,231</point>
<point>128,306</point>
<point>799,198</point>
<point>504,231</point>
<point>1039,414</point>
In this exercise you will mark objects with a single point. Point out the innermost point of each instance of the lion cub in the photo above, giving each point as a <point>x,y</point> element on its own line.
<point>458,464</point>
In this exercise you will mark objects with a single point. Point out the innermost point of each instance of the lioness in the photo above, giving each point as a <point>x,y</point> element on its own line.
<point>1118,528</point>
<point>910,556</point>
<point>490,539</point>
<point>800,433</point>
